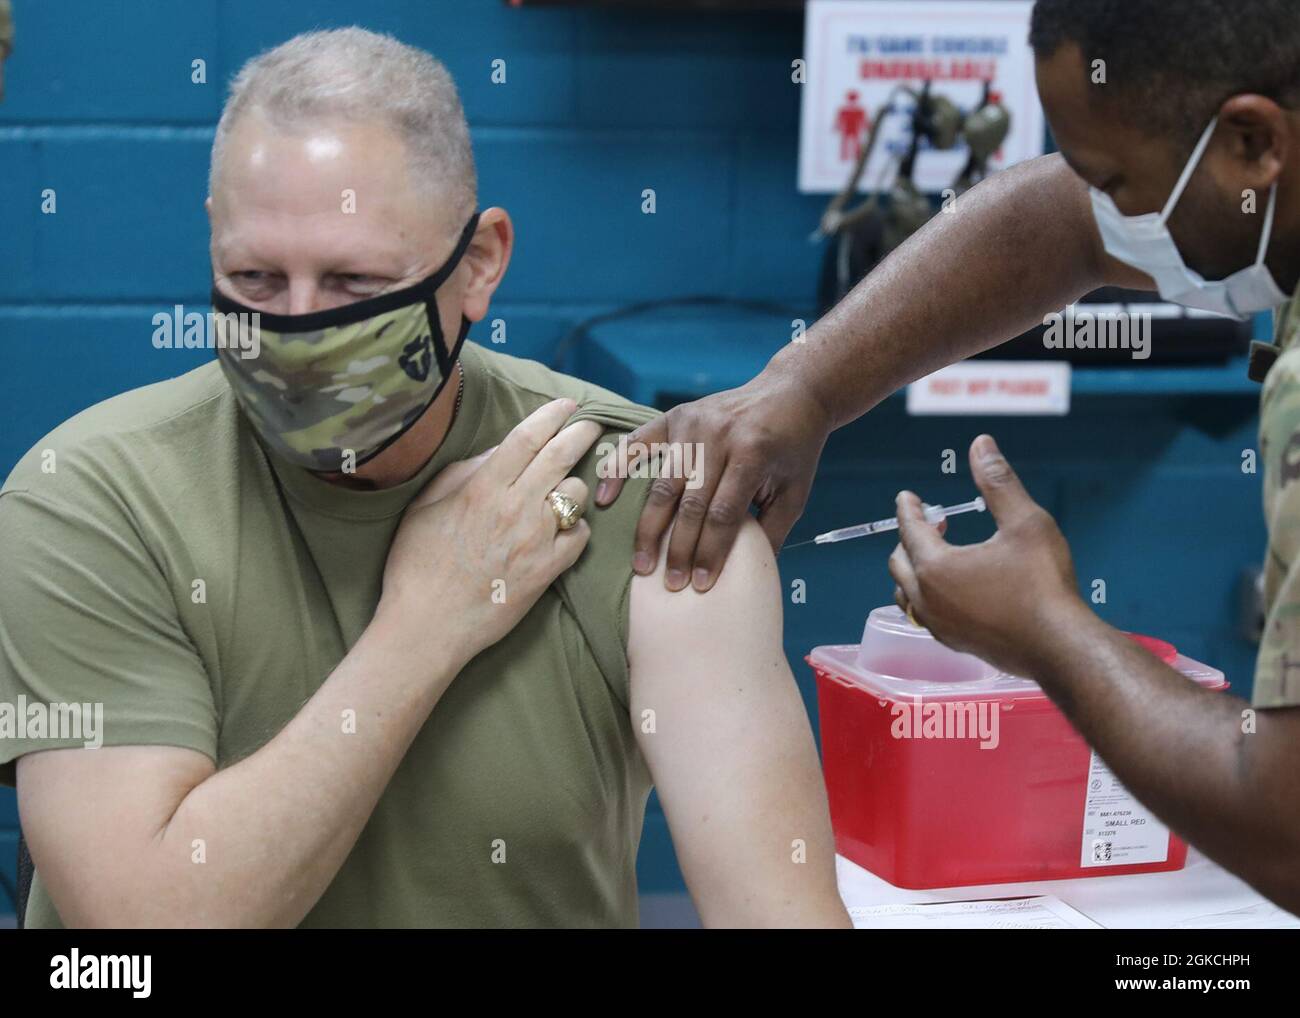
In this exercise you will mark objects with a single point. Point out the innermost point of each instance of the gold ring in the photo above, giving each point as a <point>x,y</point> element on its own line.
<point>912,618</point>
<point>567,511</point>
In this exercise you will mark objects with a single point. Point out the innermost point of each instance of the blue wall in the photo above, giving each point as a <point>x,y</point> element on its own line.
<point>597,107</point>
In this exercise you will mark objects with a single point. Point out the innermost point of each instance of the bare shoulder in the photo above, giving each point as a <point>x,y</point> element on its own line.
<point>743,605</point>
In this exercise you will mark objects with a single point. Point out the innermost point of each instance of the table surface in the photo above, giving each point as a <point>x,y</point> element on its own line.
<point>1202,894</point>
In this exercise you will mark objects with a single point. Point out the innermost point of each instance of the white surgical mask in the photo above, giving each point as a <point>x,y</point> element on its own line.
<point>1145,243</point>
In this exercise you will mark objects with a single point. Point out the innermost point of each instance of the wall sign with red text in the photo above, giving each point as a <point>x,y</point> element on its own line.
<point>858,50</point>
<point>993,387</point>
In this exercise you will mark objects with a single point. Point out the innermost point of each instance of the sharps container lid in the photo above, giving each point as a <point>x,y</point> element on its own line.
<point>899,660</point>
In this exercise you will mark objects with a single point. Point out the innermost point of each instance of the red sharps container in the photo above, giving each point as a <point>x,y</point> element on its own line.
<point>942,771</point>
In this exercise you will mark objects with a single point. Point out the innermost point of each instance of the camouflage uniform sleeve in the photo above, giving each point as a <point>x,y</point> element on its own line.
<point>6,29</point>
<point>1277,670</point>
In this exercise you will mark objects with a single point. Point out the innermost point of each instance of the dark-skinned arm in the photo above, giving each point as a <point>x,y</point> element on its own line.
<point>1181,749</point>
<point>1013,600</point>
<point>1016,247</point>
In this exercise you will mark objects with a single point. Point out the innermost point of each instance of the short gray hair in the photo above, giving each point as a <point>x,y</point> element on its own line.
<point>355,74</point>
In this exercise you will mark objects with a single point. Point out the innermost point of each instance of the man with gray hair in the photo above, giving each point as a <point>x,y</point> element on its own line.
<point>364,660</point>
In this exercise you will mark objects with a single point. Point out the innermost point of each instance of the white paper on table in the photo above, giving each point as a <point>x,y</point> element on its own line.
<point>1040,912</point>
<point>1263,915</point>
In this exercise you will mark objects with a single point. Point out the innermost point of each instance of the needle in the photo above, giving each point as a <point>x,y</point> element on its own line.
<point>933,513</point>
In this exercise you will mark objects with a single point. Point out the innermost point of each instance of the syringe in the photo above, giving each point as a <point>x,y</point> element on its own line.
<point>933,513</point>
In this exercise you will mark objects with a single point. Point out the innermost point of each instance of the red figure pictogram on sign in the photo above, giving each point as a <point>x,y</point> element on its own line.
<point>851,122</point>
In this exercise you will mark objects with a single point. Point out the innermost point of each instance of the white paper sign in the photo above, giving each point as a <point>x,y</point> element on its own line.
<point>858,50</point>
<point>993,387</point>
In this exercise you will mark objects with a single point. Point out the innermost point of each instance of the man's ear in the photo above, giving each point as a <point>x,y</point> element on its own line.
<point>1259,139</point>
<point>487,259</point>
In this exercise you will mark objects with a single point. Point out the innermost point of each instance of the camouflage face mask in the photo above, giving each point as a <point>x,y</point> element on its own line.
<point>332,389</point>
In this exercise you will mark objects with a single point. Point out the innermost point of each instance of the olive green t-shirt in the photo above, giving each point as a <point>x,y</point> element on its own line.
<point>158,561</point>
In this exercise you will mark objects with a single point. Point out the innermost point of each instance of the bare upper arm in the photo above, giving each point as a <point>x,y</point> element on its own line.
<point>729,744</point>
<point>1110,271</point>
<point>87,814</point>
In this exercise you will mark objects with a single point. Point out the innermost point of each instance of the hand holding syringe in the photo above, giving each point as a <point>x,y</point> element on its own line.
<point>933,513</point>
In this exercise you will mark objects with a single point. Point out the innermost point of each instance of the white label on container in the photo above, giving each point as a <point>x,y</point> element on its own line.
<point>1117,829</point>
